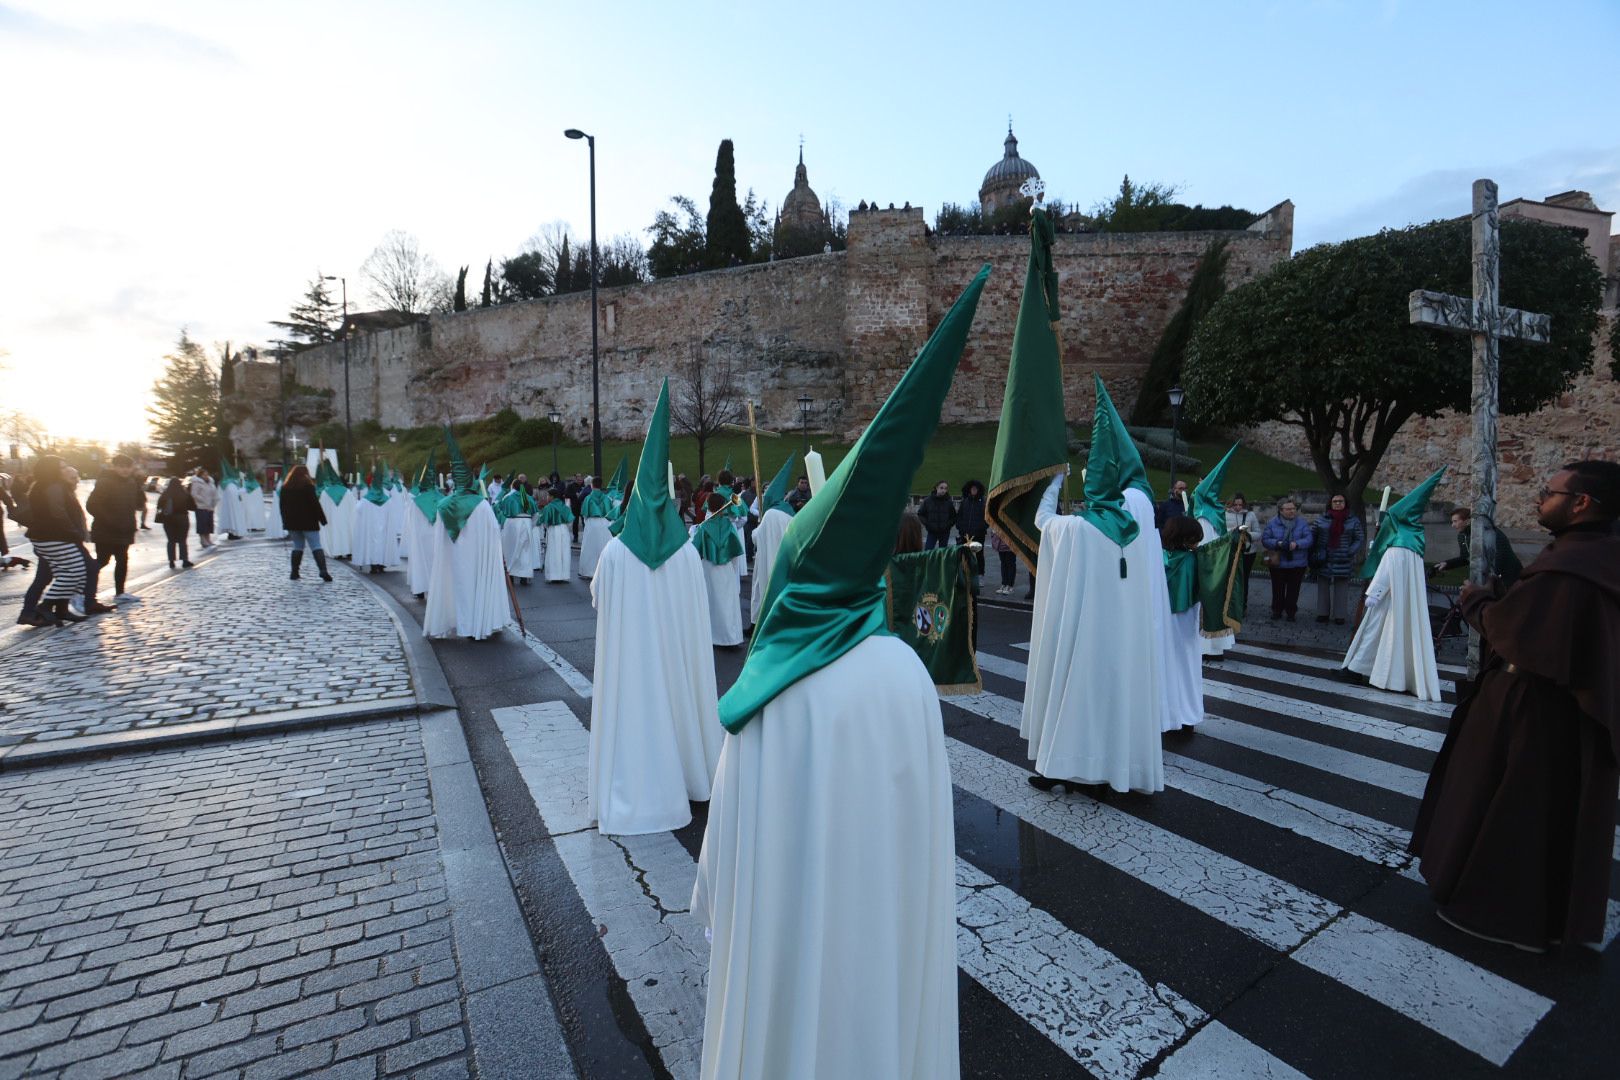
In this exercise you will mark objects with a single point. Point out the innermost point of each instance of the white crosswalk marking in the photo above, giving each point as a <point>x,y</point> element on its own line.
<point>1448,675</point>
<point>1330,759</point>
<point>1286,679</point>
<point>576,680</point>
<point>1218,1051</point>
<point>1326,715</point>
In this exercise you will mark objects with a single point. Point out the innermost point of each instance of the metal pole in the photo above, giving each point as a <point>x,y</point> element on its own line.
<point>596,401</point>
<point>554,449</point>
<point>1175,433</point>
<point>348,415</point>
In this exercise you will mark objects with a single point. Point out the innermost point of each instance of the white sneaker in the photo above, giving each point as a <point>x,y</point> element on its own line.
<point>127,598</point>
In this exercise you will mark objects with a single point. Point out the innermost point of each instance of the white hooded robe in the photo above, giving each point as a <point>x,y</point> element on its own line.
<point>1394,645</point>
<point>767,538</point>
<point>467,592</point>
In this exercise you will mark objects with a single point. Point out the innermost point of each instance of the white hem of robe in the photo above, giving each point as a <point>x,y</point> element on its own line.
<point>559,552</point>
<point>467,593</point>
<point>228,513</point>
<point>725,602</point>
<point>337,535</point>
<point>1141,508</point>
<point>1394,645</point>
<point>274,529</point>
<point>767,539</point>
<point>1092,704</point>
<point>655,714</point>
<point>828,880</point>
<point>372,545</point>
<point>593,537</point>
<point>399,505</point>
<point>253,510</point>
<point>419,549</point>
<point>1184,671</point>
<point>517,546</point>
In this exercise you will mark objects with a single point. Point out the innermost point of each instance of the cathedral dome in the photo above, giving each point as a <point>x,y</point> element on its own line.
<point>801,226</point>
<point>1001,183</point>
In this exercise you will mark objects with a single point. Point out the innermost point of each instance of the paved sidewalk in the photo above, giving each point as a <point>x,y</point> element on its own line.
<point>327,899</point>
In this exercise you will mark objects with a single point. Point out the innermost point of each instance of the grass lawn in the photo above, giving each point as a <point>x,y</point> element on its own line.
<point>956,455</point>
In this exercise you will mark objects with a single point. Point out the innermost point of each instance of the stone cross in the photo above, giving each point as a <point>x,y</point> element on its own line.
<point>754,431</point>
<point>1485,321</point>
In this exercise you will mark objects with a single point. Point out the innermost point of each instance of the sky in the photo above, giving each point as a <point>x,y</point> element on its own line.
<point>176,164</point>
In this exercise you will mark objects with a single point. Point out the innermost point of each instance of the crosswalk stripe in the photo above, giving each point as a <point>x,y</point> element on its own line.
<point>576,680</point>
<point>1448,675</point>
<point>1329,686</point>
<point>1218,1051</point>
<point>1472,1007</point>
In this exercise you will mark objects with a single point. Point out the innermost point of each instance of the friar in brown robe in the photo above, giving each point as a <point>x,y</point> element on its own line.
<point>1516,830</point>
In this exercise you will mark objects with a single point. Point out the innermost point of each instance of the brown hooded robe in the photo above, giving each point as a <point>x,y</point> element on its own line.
<point>1516,829</point>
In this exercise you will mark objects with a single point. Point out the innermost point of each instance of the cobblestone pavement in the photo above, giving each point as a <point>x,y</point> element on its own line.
<point>232,638</point>
<point>256,909</point>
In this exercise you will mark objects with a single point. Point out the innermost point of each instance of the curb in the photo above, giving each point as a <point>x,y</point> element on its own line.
<point>427,677</point>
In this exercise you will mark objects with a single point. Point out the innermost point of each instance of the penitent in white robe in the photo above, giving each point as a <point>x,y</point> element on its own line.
<point>1215,646</point>
<point>419,549</point>
<point>559,552</point>
<point>1394,645</point>
<point>593,537</point>
<point>228,514</point>
<point>253,509</point>
<point>1141,508</point>
<point>373,543</point>
<point>467,593</point>
<point>1093,700</point>
<point>399,506</point>
<point>517,546</point>
<point>337,535</point>
<point>827,879</point>
<point>273,528</point>
<point>767,538</point>
<point>655,714</point>
<point>725,602</point>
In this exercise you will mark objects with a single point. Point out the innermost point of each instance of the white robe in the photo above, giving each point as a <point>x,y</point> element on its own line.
<point>1141,508</point>
<point>337,535</point>
<point>372,545</point>
<point>725,602</point>
<point>399,506</point>
<point>274,529</point>
<point>827,878</point>
<point>1184,671</point>
<point>1394,645</point>
<point>593,537</point>
<point>467,593</point>
<point>1093,700</point>
<point>517,546</point>
<point>1216,646</point>
<point>228,514</point>
<point>767,538</point>
<point>655,715</point>
<point>559,552</point>
<point>253,509</point>
<point>419,542</point>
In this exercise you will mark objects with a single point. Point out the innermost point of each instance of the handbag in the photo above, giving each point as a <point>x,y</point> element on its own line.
<point>1273,559</point>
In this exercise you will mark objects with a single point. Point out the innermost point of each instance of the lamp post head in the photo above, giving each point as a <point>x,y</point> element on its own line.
<point>1177,396</point>
<point>805,401</point>
<point>575,133</point>
<point>554,417</point>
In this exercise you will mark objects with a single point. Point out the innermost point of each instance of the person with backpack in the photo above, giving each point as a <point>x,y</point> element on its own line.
<point>174,509</point>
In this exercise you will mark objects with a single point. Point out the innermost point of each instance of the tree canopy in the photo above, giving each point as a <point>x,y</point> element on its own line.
<point>1323,341</point>
<point>1152,207</point>
<point>184,414</point>
<point>314,320</point>
<point>727,226</point>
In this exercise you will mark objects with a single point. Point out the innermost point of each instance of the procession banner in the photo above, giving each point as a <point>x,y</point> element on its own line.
<point>930,608</point>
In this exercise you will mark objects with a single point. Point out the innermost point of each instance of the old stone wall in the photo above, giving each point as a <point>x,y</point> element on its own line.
<point>839,327</point>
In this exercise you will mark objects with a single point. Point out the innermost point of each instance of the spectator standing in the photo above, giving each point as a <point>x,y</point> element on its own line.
<point>938,514</point>
<point>800,494</point>
<point>1507,569</point>
<point>204,496</point>
<point>970,522</point>
<point>1287,540</point>
<point>1338,539</point>
<point>114,505</point>
<point>56,528</point>
<point>576,491</point>
<point>302,516</point>
<point>1173,506</point>
<point>1239,516</point>
<point>174,509</point>
<point>1009,564</point>
<point>8,505</point>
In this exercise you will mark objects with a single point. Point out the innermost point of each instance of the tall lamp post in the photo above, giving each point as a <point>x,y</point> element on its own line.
<point>1177,396</point>
<point>596,404</point>
<point>805,401</point>
<point>348,416</point>
<point>556,420</point>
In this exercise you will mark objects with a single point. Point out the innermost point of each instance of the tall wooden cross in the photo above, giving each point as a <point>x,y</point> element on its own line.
<point>1486,322</point>
<point>754,431</point>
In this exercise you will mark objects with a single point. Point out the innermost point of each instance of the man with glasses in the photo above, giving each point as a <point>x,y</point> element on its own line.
<point>1516,830</point>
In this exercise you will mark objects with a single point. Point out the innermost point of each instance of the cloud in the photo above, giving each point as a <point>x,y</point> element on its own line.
<point>1444,193</point>
<point>114,37</point>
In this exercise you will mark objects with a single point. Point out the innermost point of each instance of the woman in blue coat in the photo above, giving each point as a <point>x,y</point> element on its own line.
<point>1339,536</point>
<point>1287,540</point>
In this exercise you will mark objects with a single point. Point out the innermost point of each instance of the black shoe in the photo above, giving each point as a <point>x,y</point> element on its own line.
<point>1289,616</point>
<point>98,608</point>
<point>1345,675</point>
<point>36,618</point>
<point>1044,783</point>
<point>146,528</point>
<point>64,612</point>
<point>297,561</point>
<point>320,562</point>
<point>1338,622</point>
<point>187,564</point>
<point>171,564</point>
<point>1322,618</point>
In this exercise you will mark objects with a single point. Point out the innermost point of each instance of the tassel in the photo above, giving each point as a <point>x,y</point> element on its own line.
<point>1122,567</point>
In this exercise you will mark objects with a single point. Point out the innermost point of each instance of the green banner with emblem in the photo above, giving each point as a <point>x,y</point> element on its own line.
<point>930,608</point>
<point>1222,589</point>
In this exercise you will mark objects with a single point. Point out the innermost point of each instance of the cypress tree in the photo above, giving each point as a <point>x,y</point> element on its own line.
<point>562,276</point>
<point>489,284</point>
<point>728,240</point>
<point>1208,285</point>
<point>461,290</point>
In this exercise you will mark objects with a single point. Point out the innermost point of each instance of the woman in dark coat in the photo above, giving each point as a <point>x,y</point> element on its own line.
<point>302,517</point>
<point>970,522</point>
<point>938,514</point>
<point>56,527</point>
<point>174,509</point>
<point>1338,542</point>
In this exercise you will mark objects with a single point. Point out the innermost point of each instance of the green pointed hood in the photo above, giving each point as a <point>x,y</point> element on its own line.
<point>328,483</point>
<point>727,466</point>
<point>228,475</point>
<point>1105,474</point>
<point>618,481</point>
<point>826,593</point>
<point>775,496</point>
<point>1206,497</point>
<point>426,494</point>
<point>652,525</point>
<point>1132,473</point>
<point>427,479</point>
<point>1402,526</point>
<point>377,489</point>
<point>457,507</point>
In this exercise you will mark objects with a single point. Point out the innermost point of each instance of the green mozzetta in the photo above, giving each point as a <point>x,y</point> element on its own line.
<point>1402,526</point>
<point>826,592</point>
<point>426,494</point>
<point>716,540</point>
<point>328,483</point>
<point>1132,473</point>
<point>515,503</point>
<point>1105,485</point>
<point>1181,571</point>
<point>599,504</point>
<point>555,512</point>
<point>775,496</point>
<point>1206,497</point>
<point>651,526</point>
<point>1032,442</point>
<point>377,490</point>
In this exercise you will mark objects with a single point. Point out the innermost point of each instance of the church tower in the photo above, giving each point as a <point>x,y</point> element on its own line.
<point>1000,187</point>
<point>802,227</point>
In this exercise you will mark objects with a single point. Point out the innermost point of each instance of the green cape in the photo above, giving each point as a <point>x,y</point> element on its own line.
<point>555,512</point>
<point>652,528</point>
<point>1105,498</point>
<point>1402,526</point>
<point>377,490</point>
<point>826,594</point>
<point>599,504</point>
<point>457,507</point>
<point>328,483</point>
<point>1181,573</point>
<point>716,540</point>
<point>1206,497</point>
<point>516,503</point>
<point>775,496</point>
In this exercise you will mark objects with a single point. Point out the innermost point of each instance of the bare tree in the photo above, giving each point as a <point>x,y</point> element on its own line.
<point>402,278</point>
<point>706,399</point>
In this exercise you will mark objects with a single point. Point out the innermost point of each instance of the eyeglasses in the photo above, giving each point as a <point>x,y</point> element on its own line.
<point>1547,493</point>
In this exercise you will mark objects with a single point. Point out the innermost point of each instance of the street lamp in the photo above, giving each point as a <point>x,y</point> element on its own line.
<point>348,416</point>
<point>596,405</point>
<point>805,401</point>
<point>1177,396</point>
<point>556,421</point>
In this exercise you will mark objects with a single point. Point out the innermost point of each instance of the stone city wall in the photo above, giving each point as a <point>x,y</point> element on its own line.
<point>839,327</point>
